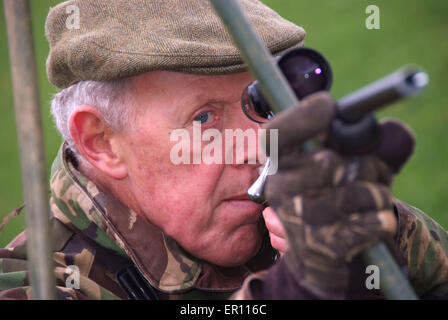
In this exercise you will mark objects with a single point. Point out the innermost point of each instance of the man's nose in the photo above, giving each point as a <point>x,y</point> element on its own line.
<point>246,146</point>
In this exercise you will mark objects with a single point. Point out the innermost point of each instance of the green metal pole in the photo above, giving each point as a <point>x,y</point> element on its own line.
<point>278,92</point>
<point>32,160</point>
<point>271,80</point>
<point>393,283</point>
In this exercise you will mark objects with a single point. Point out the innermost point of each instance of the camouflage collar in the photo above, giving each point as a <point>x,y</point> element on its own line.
<point>79,203</point>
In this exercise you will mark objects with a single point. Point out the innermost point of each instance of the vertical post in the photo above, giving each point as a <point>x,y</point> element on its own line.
<point>32,159</point>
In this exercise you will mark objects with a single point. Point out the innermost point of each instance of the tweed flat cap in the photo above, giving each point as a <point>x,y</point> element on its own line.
<point>120,38</point>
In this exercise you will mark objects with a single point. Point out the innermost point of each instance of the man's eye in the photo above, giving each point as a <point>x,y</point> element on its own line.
<point>204,117</point>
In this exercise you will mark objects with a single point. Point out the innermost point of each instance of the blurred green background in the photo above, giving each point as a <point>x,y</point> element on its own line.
<point>412,31</point>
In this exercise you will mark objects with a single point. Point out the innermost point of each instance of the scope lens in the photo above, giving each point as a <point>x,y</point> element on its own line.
<point>306,70</point>
<point>254,105</point>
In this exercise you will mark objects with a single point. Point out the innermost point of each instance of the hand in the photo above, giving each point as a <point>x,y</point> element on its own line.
<point>277,233</point>
<point>332,207</point>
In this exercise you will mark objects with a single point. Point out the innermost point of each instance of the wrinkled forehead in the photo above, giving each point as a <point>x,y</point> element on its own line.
<point>190,89</point>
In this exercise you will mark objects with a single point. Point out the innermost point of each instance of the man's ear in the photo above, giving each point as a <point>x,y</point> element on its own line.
<point>94,140</point>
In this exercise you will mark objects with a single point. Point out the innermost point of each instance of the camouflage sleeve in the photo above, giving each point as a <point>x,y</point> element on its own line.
<point>15,284</point>
<point>421,242</point>
<point>423,245</point>
<point>14,279</point>
<point>276,283</point>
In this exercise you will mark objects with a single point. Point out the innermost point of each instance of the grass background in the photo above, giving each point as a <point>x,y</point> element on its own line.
<point>412,31</point>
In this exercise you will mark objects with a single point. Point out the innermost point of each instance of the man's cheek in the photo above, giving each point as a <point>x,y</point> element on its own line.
<point>180,209</point>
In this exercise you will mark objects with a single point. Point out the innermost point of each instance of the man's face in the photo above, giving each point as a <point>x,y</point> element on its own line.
<point>202,206</point>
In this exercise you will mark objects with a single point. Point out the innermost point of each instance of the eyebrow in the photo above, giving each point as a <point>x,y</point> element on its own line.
<point>217,96</point>
<point>200,101</point>
<point>220,97</point>
<point>206,93</point>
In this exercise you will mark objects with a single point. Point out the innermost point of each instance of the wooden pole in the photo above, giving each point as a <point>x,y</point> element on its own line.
<point>32,157</point>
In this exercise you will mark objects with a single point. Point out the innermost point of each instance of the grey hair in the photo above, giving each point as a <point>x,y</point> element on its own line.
<point>112,99</point>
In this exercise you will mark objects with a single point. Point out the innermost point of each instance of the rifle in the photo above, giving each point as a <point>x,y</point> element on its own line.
<point>279,95</point>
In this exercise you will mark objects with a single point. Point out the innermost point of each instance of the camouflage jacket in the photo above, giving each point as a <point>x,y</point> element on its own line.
<point>95,232</point>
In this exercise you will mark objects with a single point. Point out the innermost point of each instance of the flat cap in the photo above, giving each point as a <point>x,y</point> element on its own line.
<point>105,40</point>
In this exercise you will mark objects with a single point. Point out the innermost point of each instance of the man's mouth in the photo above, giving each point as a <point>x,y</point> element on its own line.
<point>242,196</point>
<point>242,205</point>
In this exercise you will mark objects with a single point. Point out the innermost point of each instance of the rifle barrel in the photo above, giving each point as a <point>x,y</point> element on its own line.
<point>401,83</point>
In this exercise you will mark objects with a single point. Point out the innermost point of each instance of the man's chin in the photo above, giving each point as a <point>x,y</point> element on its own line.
<point>239,254</point>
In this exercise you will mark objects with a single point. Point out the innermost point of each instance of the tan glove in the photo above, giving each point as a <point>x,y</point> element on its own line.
<point>331,207</point>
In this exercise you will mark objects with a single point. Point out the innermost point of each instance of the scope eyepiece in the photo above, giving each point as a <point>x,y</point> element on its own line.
<point>306,70</point>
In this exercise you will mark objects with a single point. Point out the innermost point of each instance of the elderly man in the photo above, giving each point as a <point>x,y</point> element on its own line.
<point>134,224</point>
